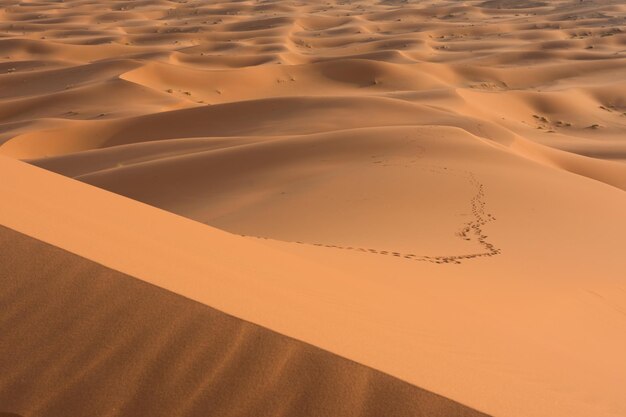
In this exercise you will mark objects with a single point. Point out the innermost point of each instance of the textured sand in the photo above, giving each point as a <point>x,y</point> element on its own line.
<point>434,190</point>
<point>81,339</point>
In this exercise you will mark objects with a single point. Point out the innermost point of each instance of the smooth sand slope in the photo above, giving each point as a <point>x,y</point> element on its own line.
<point>432,189</point>
<point>81,339</point>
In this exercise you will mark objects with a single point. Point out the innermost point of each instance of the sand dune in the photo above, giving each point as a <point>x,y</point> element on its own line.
<point>81,339</point>
<point>362,305</point>
<point>360,197</point>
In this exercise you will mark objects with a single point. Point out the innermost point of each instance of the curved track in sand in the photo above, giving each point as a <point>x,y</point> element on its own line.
<point>472,230</point>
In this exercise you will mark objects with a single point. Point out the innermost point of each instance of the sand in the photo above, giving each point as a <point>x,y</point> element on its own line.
<point>118,357</point>
<point>421,201</point>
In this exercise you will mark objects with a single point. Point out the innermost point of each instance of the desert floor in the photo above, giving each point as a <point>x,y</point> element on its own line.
<point>313,208</point>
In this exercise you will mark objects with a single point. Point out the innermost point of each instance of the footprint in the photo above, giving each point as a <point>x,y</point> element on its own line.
<point>471,230</point>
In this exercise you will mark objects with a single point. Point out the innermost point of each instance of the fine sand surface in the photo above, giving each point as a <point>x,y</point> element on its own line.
<point>358,208</point>
<point>81,339</point>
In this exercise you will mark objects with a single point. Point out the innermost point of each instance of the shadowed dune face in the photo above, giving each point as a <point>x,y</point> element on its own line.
<point>81,339</point>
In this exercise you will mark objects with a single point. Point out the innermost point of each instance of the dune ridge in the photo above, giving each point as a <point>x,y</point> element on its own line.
<point>81,339</point>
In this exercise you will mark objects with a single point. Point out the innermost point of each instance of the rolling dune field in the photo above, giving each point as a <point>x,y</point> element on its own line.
<point>313,208</point>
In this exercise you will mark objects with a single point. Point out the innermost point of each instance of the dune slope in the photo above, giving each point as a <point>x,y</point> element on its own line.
<point>492,333</point>
<point>81,339</point>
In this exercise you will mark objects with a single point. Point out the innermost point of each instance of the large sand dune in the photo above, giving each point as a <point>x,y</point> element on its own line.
<point>359,208</point>
<point>103,349</point>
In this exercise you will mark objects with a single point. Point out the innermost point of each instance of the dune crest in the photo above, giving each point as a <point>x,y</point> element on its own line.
<point>119,359</point>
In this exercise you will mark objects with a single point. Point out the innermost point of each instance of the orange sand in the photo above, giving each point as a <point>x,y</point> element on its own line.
<point>432,191</point>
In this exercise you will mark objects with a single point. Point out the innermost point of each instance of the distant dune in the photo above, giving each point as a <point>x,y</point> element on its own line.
<point>304,208</point>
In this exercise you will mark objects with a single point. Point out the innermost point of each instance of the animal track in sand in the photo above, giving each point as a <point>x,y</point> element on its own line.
<point>471,231</point>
